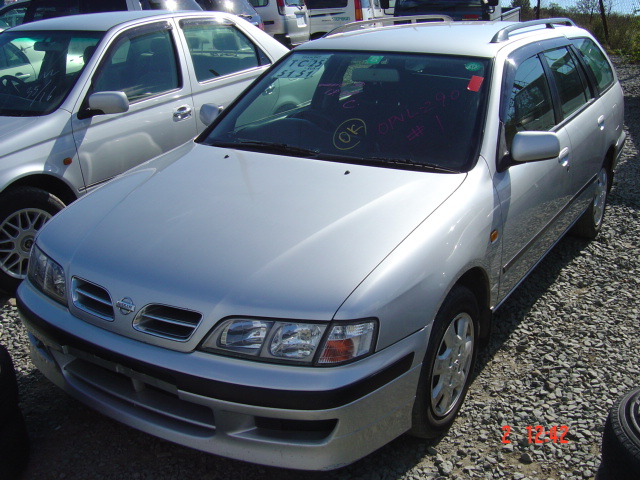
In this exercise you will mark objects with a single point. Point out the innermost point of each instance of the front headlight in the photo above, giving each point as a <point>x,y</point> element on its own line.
<point>300,342</point>
<point>47,275</point>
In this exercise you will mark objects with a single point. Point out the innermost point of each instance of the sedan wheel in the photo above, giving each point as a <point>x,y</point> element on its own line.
<point>23,213</point>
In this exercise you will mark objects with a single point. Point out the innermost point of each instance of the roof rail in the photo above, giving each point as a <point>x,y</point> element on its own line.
<point>385,21</point>
<point>503,34</point>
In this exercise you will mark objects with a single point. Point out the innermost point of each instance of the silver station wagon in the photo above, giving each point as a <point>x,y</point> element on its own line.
<point>314,275</point>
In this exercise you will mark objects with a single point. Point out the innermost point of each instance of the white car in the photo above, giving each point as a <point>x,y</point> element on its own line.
<point>86,97</point>
<point>315,274</point>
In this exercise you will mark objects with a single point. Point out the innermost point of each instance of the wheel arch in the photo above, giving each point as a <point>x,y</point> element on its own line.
<point>609,164</point>
<point>48,183</point>
<point>477,281</point>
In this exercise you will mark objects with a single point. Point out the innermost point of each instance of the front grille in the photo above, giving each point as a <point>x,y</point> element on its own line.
<point>167,322</point>
<point>144,397</point>
<point>92,299</point>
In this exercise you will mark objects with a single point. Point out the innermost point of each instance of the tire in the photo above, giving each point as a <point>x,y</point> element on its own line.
<point>14,445</point>
<point>23,212</point>
<point>14,440</point>
<point>621,438</point>
<point>448,365</point>
<point>8,384</point>
<point>590,223</point>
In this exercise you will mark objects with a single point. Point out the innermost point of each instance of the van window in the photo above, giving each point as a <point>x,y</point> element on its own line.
<point>217,49</point>
<point>314,4</point>
<point>42,9</point>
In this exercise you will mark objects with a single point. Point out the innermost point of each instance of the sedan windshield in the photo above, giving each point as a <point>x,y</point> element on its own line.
<point>406,111</point>
<point>38,69</point>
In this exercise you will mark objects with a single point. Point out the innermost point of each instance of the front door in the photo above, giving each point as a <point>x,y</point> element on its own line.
<point>145,64</point>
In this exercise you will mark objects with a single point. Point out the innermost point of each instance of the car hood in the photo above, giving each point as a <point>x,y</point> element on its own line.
<point>229,232</point>
<point>10,126</point>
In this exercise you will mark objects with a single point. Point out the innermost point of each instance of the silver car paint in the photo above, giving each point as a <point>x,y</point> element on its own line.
<point>295,270</point>
<point>42,150</point>
<point>436,228</point>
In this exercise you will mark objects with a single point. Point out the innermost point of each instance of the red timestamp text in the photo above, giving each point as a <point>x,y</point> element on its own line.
<point>539,434</point>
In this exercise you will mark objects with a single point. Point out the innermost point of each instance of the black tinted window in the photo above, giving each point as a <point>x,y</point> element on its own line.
<point>140,66</point>
<point>530,107</point>
<point>596,61</point>
<point>567,79</point>
<point>217,49</point>
<point>375,107</point>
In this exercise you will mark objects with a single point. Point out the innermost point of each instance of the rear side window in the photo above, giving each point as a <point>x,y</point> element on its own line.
<point>530,107</point>
<point>571,88</point>
<point>220,49</point>
<point>596,62</point>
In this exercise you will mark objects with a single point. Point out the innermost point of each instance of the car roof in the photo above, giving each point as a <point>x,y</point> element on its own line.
<point>101,22</point>
<point>453,38</point>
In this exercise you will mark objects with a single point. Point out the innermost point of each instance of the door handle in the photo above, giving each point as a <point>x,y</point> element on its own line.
<point>601,122</point>
<point>182,113</point>
<point>563,158</point>
<point>22,76</point>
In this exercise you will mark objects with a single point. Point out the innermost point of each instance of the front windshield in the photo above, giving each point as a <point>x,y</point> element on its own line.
<point>38,69</point>
<point>374,108</point>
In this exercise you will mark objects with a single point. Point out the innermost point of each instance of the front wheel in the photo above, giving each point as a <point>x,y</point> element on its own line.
<point>448,365</point>
<point>23,212</point>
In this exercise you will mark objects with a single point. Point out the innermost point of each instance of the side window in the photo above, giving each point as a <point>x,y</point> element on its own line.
<point>11,56</point>
<point>530,106</point>
<point>13,16</point>
<point>218,49</point>
<point>140,65</point>
<point>596,61</point>
<point>571,89</point>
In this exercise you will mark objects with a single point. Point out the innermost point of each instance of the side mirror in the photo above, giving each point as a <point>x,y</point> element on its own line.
<point>109,102</point>
<point>493,3</point>
<point>209,112</point>
<point>534,146</point>
<point>384,4</point>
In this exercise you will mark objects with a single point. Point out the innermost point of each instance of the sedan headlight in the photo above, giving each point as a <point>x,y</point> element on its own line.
<point>300,342</point>
<point>47,275</point>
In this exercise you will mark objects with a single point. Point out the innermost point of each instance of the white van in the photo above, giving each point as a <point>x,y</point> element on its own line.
<point>325,15</point>
<point>285,20</point>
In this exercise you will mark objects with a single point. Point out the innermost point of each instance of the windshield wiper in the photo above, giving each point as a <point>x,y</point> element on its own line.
<point>424,165</point>
<point>268,147</point>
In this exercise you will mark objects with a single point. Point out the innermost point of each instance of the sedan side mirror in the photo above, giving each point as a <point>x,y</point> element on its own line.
<point>209,112</point>
<point>534,146</point>
<point>102,103</point>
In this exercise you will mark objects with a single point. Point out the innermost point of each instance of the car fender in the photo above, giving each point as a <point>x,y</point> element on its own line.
<point>407,288</point>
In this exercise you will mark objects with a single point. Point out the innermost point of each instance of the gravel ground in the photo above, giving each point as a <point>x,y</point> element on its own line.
<point>565,346</point>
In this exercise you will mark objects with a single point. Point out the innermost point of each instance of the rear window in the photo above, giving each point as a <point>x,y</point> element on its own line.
<point>381,108</point>
<point>596,61</point>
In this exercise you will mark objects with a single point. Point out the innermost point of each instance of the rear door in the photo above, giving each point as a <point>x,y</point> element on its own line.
<point>146,64</point>
<point>223,60</point>
<point>533,196</point>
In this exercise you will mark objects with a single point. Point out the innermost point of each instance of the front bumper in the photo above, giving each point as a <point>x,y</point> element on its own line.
<point>327,422</point>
